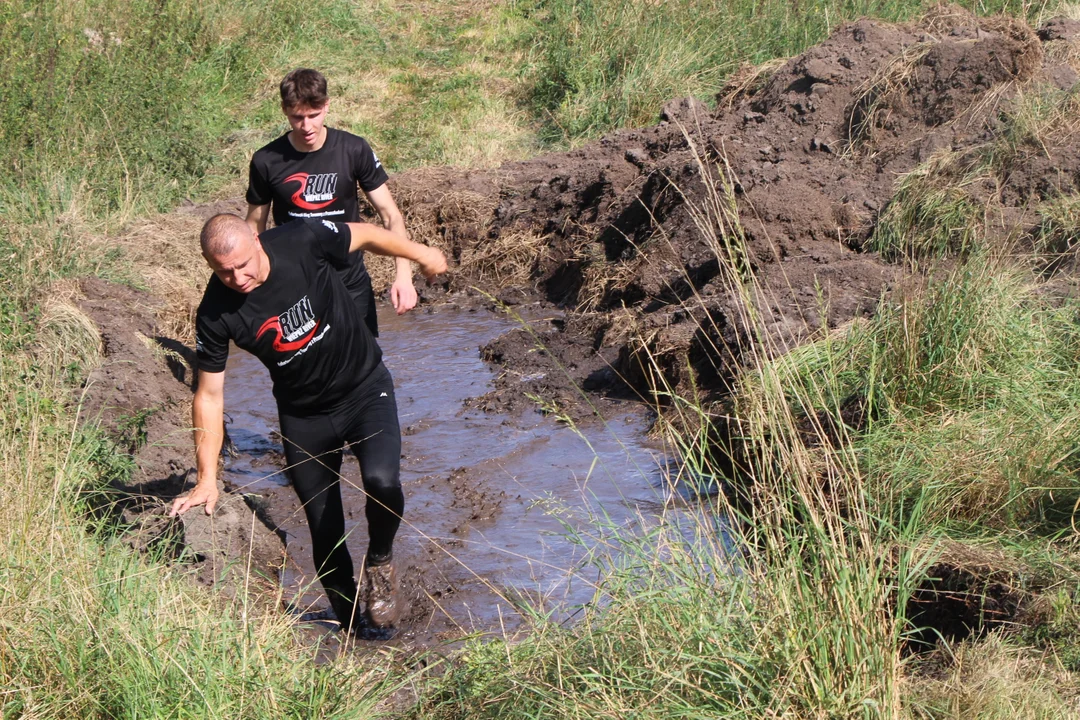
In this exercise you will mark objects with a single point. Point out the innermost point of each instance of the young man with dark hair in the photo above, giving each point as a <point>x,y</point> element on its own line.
<point>278,295</point>
<point>313,172</point>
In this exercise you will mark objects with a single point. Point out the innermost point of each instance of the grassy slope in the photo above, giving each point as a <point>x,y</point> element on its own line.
<point>115,109</point>
<point>120,109</point>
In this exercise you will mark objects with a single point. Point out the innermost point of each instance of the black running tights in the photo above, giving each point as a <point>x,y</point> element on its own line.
<point>367,422</point>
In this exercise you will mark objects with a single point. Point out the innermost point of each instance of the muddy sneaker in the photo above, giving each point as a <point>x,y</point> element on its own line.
<point>381,591</point>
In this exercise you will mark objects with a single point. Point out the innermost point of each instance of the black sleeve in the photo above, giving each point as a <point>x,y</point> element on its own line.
<point>259,191</point>
<point>367,170</point>
<point>211,340</point>
<point>331,241</point>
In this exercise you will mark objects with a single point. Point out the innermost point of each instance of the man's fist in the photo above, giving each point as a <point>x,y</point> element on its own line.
<point>433,263</point>
<point>403,295</point>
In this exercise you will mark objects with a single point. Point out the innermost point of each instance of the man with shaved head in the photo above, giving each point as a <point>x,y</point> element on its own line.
<point>279,296</point>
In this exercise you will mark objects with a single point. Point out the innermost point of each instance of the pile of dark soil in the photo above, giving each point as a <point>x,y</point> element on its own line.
<point>791,172</point>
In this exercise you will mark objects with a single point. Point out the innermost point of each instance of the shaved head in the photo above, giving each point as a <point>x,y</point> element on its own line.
<point>234,253</point>
<point>222,234</point>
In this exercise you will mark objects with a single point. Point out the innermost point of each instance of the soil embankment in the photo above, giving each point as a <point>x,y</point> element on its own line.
<point>793,168</point>
<point>792,172</point>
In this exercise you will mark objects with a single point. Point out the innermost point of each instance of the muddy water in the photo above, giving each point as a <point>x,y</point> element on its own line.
<point>492,501</point>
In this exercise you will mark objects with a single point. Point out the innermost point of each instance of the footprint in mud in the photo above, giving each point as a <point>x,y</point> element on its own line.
<point>471,496</point>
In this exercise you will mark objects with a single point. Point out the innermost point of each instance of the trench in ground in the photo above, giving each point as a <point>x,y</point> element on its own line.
<point>493,502</point>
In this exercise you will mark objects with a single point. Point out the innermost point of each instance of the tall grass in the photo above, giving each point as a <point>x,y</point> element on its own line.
<point>112,106</point>
<point>113,109</point>
<point>91,630</point>
<point>788,603</point>
<point>973,393</point>
<point>929,217</point>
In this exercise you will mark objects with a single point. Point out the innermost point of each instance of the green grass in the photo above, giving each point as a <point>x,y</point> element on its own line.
<point>429,83</point>
<point>683,629</point>
<point>974,396</point>
<point>1059,229</point>
<point>114,107</point>
<point>928,218</point>
<point>940,209</point>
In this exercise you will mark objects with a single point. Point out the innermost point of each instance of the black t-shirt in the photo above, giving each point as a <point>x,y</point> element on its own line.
<point>316,185</point>
<point>301,322</point>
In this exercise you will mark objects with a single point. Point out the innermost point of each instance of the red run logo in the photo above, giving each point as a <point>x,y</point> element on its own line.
<point>316,191</point>
<point>294,328</point>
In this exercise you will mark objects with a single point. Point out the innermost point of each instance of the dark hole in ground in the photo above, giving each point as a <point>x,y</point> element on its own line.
<point>956,604</point>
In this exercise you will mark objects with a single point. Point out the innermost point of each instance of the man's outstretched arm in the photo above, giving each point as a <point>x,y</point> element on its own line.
<point>375,239</point>
<point>208,419</point>
<point>402,292</point>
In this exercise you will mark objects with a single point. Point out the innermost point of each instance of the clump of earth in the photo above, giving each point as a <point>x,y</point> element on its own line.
<point>787,177</point>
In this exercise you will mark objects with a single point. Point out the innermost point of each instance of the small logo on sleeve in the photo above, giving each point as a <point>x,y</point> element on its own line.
<point>330,225</point>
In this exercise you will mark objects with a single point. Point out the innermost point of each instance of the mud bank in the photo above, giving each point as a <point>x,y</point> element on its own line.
<point>792,171</point>
<point>141,396</point>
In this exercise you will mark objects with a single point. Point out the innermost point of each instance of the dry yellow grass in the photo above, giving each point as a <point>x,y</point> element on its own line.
<point>163,252</point>
<point>992,680</point>
<point>746,80</point>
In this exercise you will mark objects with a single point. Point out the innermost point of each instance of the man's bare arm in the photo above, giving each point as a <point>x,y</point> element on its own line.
<point>257,216</point>
<point>375,239</point>
<point>402,291</point>
<point>208,420</point>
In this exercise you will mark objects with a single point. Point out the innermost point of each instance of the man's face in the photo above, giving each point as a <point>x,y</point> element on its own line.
<point>306,122</point>
<point>240,268</point>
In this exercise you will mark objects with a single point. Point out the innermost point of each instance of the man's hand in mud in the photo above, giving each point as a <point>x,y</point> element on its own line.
<point>403,295</point>
<point>433,263</point>
<point>202,495</point>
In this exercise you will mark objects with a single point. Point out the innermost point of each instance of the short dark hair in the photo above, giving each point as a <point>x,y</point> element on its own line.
<point>304,87</point>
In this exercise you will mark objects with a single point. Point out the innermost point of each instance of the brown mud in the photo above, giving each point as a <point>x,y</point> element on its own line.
<point>141,394</point>
<point>489,497</point>
<point>610,253</point>
<point>795,167</point>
